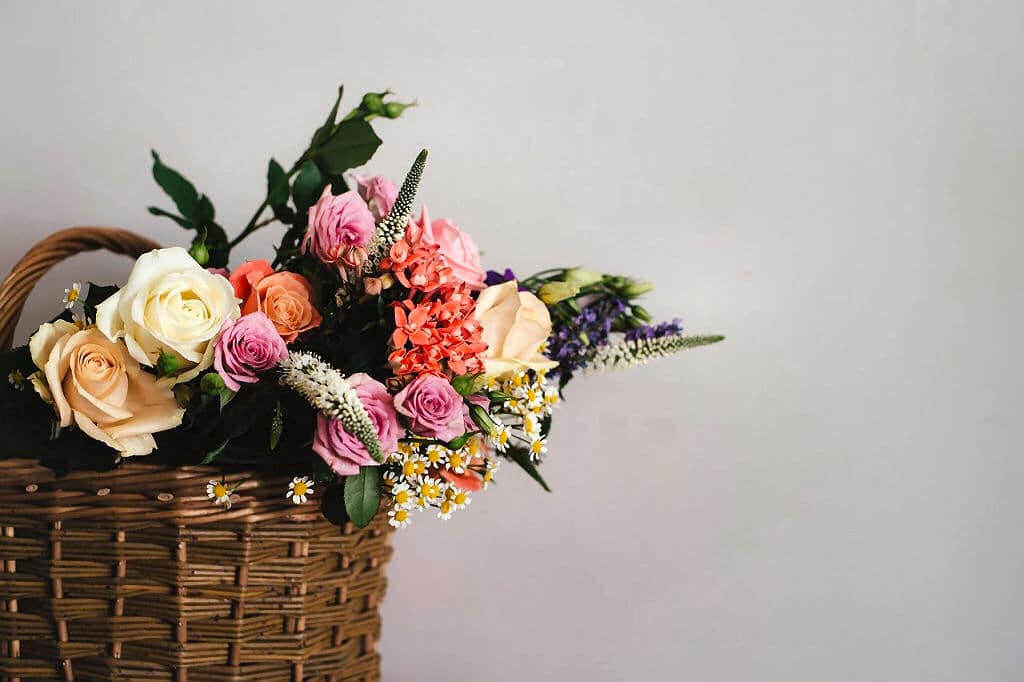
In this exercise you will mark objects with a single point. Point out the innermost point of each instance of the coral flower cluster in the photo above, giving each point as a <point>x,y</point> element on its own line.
<point>435,329</point>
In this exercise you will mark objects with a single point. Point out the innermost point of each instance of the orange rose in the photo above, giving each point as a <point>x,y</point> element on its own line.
<point>286,298</point>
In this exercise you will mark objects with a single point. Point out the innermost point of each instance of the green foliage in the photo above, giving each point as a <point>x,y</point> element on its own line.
<point>521,456</point>
<point>332,504</point>
<point>277,184</point>
<point>94,296</point>
<point>466,384</point>
<point>352,144</point>
<point>166,364</point>
<point>276,426</point>
<point>308,185</point>
<point>362,495</point>
<point>195,209</point>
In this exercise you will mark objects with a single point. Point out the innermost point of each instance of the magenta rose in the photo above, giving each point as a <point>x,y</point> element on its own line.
<point>378,192</point>
<point>343,452</point>
<point>456,246</point>
<point>433,407</point>
<point>245,348</point>
<point>339,229</point>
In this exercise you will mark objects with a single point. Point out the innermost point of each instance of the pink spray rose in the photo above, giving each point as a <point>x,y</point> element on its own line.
<point>457,247</point>
<point>339,229</point>
<point>246,347</point>
<point>342,451</point>
<point>378,192</point>
<point>433,407</point>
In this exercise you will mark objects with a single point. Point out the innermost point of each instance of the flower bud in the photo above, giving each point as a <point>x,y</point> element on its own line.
<point>641,313</point>
<point>395,109</point>
<point>582,278</point>
<point>636,287</point>
<point>211,383</point>
<point>373,103</point>
<point>200,253</point>
<point>553,292</point>
<point>482,419</point>
<point>166,364</point>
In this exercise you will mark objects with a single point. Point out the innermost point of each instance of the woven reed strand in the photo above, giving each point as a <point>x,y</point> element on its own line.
<point>133,575</point>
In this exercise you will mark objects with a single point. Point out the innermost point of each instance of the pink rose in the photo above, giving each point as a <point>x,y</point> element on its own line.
<point>433,407</point>
<point>378,192</point>
<point>343,452</point>
<point>245,348</point>
<point>457,247</point>
<point>339,229</point>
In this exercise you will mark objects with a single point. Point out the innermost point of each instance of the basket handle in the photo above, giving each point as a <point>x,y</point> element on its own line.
<point>40,258</point>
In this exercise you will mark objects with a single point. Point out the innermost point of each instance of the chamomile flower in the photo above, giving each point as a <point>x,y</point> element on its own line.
<point>473,447</point>
<point>492,466</point>
<point>445,509</point>
<point>456,462</point>
<point>413,465</point>
<point>430,491</point>
<point>219,493</point>
<point>16,379</point>
<point>459,497</point>
<point>72,295</point>
<point>399,518</point>
<point>299,490</point>
<point>551,398</point>
<point>437,455</point>
<point>531,426</point>
<point>403,496</point>
<point>538,447</point>
<point>533,395</point>
<point>390,477</point>
<point>501,436</point>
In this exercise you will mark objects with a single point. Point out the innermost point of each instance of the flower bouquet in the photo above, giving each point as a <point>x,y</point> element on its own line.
<point>371,362</point>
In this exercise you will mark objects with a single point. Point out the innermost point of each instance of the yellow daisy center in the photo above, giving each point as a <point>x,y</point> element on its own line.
<point>220,490</point>
<point>401,515</point>
<point>300,488</point>
<point>402,497</point>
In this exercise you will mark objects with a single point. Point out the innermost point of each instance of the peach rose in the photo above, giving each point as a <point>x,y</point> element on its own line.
<point>93,382</point>
<point>515,324</point>
<point>285,297</point>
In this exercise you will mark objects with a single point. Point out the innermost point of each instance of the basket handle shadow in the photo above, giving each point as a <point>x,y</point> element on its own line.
<point>53,249</point>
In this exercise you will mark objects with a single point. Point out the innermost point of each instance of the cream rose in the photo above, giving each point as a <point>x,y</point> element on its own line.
<point>94,383</point>
<point>515,324</point>
<point>170,304</point>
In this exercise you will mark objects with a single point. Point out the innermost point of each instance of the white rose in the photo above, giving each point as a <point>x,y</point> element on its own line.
<point>514,324</point>
<point>170,304</point>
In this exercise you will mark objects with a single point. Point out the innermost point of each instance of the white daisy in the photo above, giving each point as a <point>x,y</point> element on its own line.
<point>459,497</point>
<point>72,295</point>
<point>445,509</point>
<point>299,490</point>
<point>538,447</point>
<point>399,518</point>
<point>501,437</point>
<point>403,495</point>
<point>219,493</point>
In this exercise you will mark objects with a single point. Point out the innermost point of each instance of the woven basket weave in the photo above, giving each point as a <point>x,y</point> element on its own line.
<point>132,574</point>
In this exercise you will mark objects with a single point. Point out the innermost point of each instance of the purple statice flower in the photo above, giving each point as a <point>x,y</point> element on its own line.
<point>673,328</point>
<point>572,343</point>
<point>495,277</point>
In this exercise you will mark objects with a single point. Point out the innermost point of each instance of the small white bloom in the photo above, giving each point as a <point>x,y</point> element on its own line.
<point>299,490</point>
<point>445,509</point>
<point>500,438</point>
<point>459,497</point>
<point>72,295</point>
<point>219,493</point>
<point>538,448</point>
<point>403,495</point>
<point>399,518</point>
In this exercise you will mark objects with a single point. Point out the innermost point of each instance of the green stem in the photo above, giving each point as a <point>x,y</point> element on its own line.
<point>254,223</point>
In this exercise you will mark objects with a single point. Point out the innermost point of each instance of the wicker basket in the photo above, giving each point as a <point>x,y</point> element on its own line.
<point>132,574</point>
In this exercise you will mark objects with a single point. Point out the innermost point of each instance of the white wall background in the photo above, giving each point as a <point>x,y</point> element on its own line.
<point>833,493</point>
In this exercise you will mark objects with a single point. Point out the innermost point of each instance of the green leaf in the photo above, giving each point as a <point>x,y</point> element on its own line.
<point>321,473</point>
<point>362,495</point>
<point>276,426</point>
<point>352,144</point>
<point>216,452</point>
<point>226,396</point>
<point>307,186</point>
<point>324,131</point>
<point>465,383</point>
<point>277,184</point>
<point>180,190</point>
<point>204,210</point>
<point>187,224</point>
<point>332,504</point>
<point>460,442</point>
<point>521,456</point>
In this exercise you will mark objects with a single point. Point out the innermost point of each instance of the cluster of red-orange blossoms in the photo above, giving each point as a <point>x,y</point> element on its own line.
<point>435,330</point>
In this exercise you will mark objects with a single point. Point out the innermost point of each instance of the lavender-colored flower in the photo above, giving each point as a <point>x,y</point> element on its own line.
<point>673,328</point>
<point>495,277</point>
<point>572,343</point>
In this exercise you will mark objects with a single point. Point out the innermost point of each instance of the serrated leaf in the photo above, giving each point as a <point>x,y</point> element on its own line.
<point>216,452</point>
<point>276,426</point>
<point>352,144</point>
<point>362,495</point>
<point>307,186</point>
<point>522,457</point>
<point>180,190</point>
<point>277,184</point>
